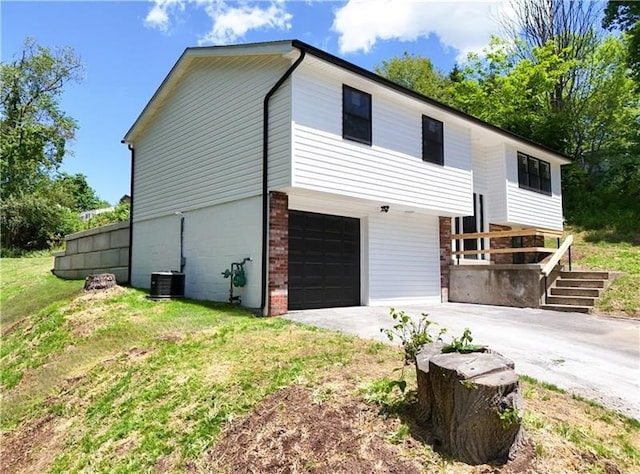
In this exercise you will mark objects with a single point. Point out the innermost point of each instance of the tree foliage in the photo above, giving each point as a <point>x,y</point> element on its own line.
<point>38,205</point>
<point>625,16</point>
<point>416,73</point>
<point>79,195</point>
<point>121,213</point>
<point>35,221</point>
<point>34,129</point>
<point>514,93</point>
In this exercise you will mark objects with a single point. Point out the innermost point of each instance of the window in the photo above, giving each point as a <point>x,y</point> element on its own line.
<point>356,115</point>
<point>432,142</point>
<point>534,174</point>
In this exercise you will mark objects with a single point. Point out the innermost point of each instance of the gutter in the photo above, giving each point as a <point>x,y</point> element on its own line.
<point>133,160</point>
<point>265,175</point>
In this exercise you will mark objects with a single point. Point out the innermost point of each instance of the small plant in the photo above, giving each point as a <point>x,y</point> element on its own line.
<point>399,435</point>
<point>509,416</point>
<point>470,384</point>
<point>463,344</point>
<point>382,392</point>
<point>412,335</point>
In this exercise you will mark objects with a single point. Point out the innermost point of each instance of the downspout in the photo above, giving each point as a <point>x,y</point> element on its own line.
<point>265,176</point>
<point>133,160</point>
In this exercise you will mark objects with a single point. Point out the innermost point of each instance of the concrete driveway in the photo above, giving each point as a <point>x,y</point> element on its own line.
<point>592,356</point>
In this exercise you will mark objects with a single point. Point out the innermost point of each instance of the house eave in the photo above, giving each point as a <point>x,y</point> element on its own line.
<point>275,48</point>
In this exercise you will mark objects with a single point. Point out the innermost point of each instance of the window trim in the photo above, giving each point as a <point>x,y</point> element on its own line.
<point>533,162</point>
<point>439,143</point>
<point>347,115</point>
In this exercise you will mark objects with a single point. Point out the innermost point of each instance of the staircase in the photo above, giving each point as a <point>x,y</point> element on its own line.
<point>576,291</point>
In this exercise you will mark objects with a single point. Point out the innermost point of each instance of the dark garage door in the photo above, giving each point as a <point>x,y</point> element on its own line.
<point>324,261</point>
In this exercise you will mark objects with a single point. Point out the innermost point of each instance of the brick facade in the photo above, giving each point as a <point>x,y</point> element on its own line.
<point>500,243</point>
<point>278,253</point>
<point>445,257</point>
<point>507,243</point>
<point>533,241</point>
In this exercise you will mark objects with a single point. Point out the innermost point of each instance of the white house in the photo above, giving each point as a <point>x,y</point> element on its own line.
<point>340,185</point>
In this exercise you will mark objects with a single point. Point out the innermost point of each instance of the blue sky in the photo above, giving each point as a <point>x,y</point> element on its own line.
<point>128,48</point>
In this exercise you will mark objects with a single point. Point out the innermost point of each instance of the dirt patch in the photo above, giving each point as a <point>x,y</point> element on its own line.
<point>170,337</point>
<point>139,353</point>
<point>85,317</point>
<point>289,433</point>
<point>11,328</point>
<point>34,446</point>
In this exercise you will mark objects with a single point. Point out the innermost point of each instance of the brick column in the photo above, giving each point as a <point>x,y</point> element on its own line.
<point>278,253</point>
<point>533,241</point>
<point>500,243</point>
<point>445,257</point>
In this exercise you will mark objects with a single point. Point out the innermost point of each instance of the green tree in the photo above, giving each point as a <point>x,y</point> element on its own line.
<point>568,25</point>
<point>514,93</point>
<point>625,16</point>
<point>77,193</point>
<point>416,73</point>
<point>35,221</point>
<point>34,129</point>
<point>119,214</point>
<point>38,209</point>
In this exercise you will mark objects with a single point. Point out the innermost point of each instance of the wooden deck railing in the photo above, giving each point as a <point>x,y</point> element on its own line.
<point>557,256</point>
<point>507,233</point>
<point>554,260</point>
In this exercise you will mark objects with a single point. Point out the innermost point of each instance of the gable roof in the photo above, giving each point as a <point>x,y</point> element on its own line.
<point>286,47</point>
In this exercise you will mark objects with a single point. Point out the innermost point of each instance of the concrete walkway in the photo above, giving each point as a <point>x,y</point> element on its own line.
<point>591,356</point>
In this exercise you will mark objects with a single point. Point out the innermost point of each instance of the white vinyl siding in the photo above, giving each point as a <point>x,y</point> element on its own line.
<point>508,204</point>
<point>404,266</point>
<point>529,208</point>
<point>214,237</point>
<point>391,169</point>
<point>204,146</point>
<point>280,137</point>
<point>496,178</point>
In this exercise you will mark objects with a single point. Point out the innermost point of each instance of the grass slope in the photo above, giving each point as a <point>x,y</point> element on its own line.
<point>114,382</point>
<point>623,296</point>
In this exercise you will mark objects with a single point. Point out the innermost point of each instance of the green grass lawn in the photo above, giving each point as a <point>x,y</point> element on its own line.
<point>623,296</point>
<point>114,382</point>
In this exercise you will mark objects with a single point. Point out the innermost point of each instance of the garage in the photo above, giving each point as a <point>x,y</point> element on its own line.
<point>324,260</point>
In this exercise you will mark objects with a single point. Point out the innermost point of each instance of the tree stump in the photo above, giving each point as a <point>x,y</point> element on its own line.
<point>100,281</point>
<point>471,402</point>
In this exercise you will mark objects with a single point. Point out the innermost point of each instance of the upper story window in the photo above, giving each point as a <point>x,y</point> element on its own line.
<point>534,174</point>
<point>356,115</point>
<point>432,140</point>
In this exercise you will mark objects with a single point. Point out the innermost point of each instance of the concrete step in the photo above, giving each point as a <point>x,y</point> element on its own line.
<point>568,291</point>
<point>571,300</point>
<point>585,275</point>
<point>579,283</point>
<point>566,308</point>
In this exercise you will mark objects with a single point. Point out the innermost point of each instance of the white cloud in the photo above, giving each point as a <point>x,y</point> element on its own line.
<point>463,25</point>
<point>159,15</point>
<point>231,23</point>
